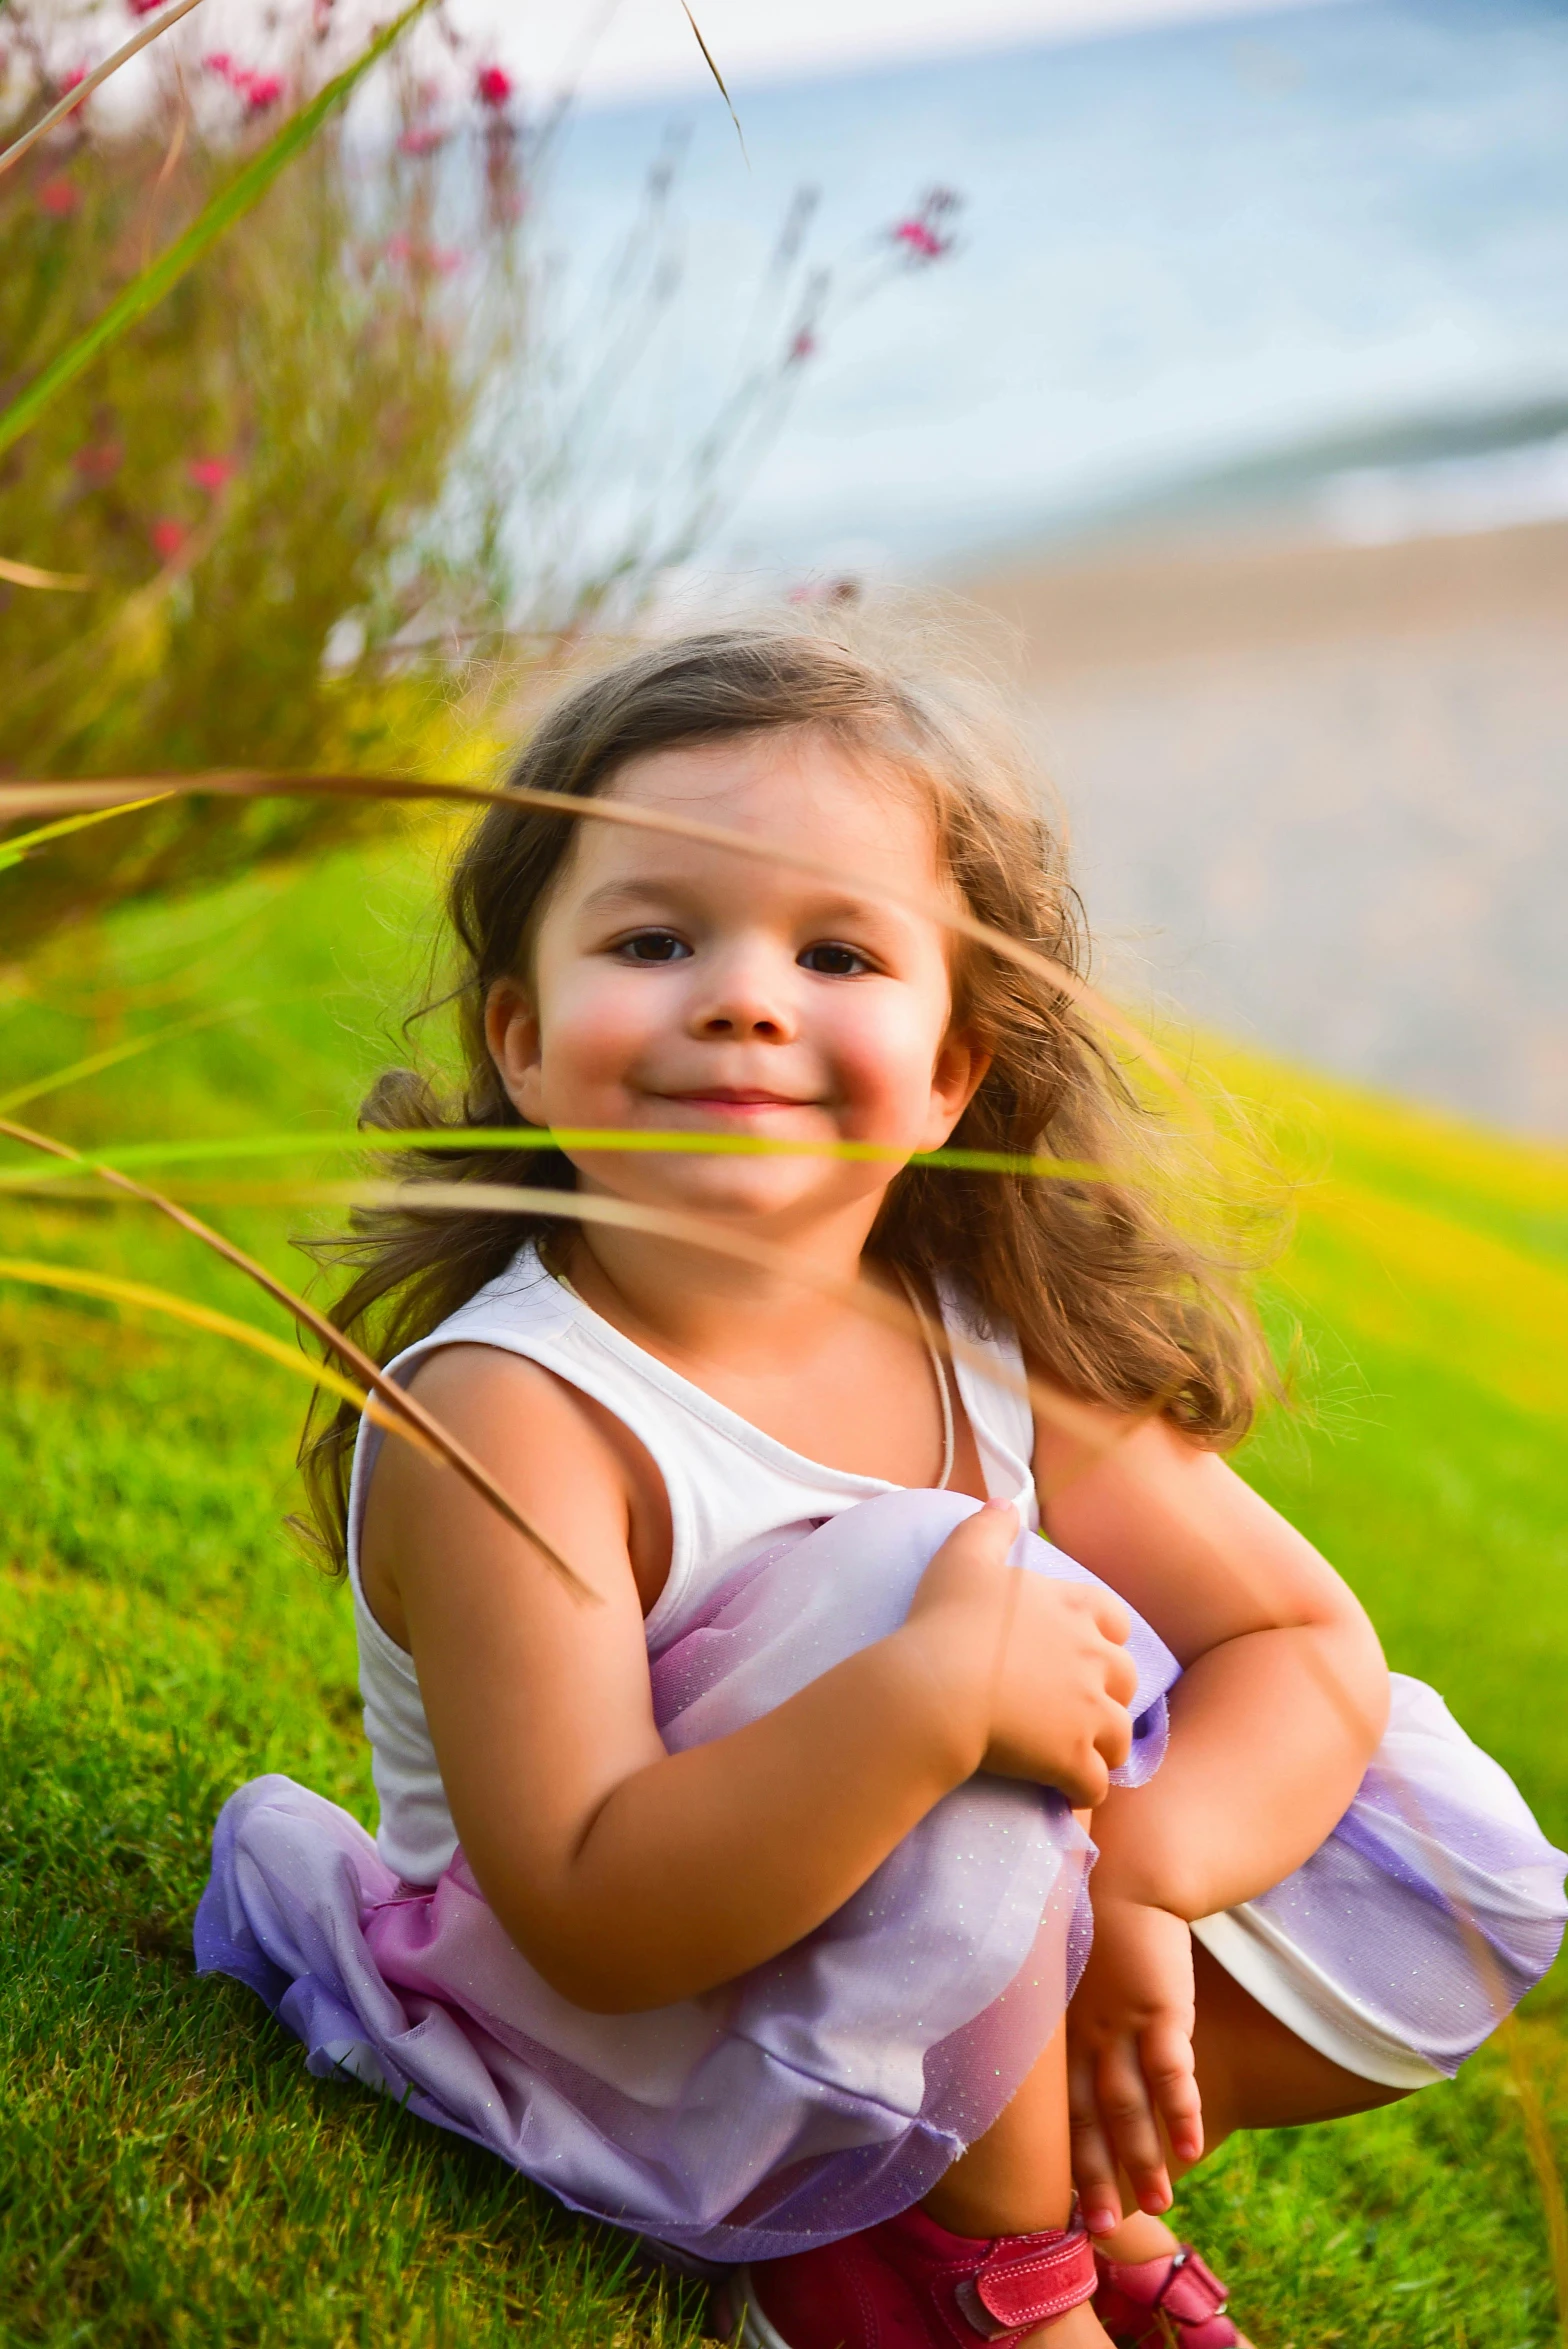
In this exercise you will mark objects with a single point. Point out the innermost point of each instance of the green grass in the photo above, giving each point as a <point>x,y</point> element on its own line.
<point>168,2170</point>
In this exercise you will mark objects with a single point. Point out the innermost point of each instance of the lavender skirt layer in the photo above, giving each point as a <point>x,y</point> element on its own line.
<point>830,2088</point>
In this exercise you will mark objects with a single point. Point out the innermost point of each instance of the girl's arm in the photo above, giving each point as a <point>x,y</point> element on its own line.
<point>1284,1692</point>
<point>630,1877</point>
<point>1283,1697</point>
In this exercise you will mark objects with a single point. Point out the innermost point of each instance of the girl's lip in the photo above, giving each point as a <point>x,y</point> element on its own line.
<point>737,1097</point>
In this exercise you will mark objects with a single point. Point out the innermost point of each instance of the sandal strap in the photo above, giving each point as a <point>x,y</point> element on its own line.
<point>1178,2295</point>
<point>1027,2280</point>
<point>1192,2291</point>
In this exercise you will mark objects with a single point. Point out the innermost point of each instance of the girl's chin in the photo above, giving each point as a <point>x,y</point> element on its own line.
<point>715,1187</point>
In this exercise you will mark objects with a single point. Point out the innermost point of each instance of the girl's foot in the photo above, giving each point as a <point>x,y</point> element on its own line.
<point>1173,2298</point>
<point>910,2284</point>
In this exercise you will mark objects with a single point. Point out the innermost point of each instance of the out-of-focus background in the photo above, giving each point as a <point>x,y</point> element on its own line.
<point>1244,399</point>
<point>1218,352</point>
<point>1214,361</point>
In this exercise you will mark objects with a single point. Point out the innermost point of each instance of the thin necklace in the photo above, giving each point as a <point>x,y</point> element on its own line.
<point>939,1369</point>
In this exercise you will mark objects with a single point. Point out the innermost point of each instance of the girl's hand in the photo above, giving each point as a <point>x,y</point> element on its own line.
<point>1130,2075</point>
<point>1043,1663</point>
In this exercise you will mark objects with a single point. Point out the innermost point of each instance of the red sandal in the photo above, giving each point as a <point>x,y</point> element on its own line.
<point>909,2284</point>
<point>1174,2302</point>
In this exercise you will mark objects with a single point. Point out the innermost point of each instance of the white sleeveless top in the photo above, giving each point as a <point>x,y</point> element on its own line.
<point>732,1490</point>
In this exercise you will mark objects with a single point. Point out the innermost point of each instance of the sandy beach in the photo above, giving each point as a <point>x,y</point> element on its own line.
<point>1319,794</point>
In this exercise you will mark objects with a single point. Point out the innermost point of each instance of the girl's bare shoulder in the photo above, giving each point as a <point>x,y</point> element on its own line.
<point>571,1467</point>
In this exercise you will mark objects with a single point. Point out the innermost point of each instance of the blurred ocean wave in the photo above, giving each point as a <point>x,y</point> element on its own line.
<point>1202,265</point>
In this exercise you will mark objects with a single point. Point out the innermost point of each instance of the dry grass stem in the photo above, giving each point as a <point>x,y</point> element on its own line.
<point>41,798</point>
<point>403,1408</point>
<point>58,582</point>
<point>92,81</point>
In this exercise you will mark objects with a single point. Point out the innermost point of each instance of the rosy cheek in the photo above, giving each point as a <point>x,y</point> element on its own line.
<point>600,1022</point>
<point>884,1066</point>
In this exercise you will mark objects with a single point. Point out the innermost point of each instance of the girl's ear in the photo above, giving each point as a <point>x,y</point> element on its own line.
<point>958,1075</point>
<point>512,1034</point>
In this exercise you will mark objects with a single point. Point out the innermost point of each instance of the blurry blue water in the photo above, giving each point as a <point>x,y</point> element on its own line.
<point>1181,249</point>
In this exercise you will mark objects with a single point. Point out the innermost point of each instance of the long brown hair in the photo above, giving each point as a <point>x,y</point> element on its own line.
<point>1111,1287</point>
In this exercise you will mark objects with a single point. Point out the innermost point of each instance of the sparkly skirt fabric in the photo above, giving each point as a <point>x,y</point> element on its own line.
<point>830,2088</point>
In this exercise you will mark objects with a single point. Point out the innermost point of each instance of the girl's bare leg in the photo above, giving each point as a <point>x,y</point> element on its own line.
<point>1253,2073</point>
<point>1017,2178</point>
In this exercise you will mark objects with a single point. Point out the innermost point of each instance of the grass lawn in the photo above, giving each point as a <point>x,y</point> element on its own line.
<point>168,2170</point>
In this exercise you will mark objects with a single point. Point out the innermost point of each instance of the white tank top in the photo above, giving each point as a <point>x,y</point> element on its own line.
<point>732,1491</point>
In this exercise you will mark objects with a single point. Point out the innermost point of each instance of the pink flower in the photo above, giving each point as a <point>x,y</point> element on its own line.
<point>421,139</point>
<point>443,259</point>
<point>99,464</point>
<point>168,536</point>
<point>492,85</point>
<point>259,90</point>
<point>144,7</point>
<point>72,80</point>
<point>803,347</point>
<point>60,196</point>
<point>920,241</point>
<point>210,473</point>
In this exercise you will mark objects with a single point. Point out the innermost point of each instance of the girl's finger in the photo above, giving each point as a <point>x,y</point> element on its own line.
<point>1127,2116</point>
<point>1165,2052</point>
<point>1094,2164</point>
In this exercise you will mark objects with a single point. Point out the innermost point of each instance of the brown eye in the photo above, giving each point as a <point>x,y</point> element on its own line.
<point>652,946</point>
<point>833,961</point>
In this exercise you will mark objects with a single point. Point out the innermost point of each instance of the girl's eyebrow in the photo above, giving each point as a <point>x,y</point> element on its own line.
<point>672,890</point>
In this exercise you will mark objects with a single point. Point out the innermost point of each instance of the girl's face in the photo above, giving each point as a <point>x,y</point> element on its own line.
<point>678,987</point>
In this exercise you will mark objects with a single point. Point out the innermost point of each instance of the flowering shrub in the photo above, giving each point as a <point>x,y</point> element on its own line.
<point>265,485</point>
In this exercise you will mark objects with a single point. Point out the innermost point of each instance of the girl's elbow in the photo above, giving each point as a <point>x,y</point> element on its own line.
<point>1362,1681</point>
<point>593,1968</point>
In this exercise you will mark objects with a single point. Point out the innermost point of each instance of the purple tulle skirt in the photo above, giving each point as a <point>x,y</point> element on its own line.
<point>831,2087</point>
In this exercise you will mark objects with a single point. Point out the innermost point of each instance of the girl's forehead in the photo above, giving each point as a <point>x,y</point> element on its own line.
<point>800,790</point>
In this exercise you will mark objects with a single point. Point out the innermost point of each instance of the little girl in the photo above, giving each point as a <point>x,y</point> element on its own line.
<point>744,1901</point>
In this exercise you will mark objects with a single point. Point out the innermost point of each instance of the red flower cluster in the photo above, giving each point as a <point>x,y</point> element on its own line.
<point>144,7</point>
<point>168,536</point>
<point>492,85</point>
<point>60,196</point>
<point>259,90</point>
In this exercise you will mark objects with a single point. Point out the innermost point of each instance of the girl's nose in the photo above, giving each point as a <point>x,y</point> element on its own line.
<point>745,1001</point>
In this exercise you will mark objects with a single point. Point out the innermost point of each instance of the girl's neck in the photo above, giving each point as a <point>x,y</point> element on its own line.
<point>696,1307</point>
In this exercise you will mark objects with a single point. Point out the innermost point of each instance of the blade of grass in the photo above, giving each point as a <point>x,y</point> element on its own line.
<point>166,1301</point>
<point>401,1407</point>
<point>1543,2161</point>
<point>684,1230</point>
<point>29,575</point>
<point>524,1138</point>
<point>230,204</point>
<point>46,798</point>
<point>92,81</point>
<point>13,851</point>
